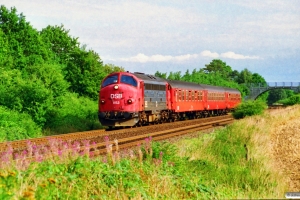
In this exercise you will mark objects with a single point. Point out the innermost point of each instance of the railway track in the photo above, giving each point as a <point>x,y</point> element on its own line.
<point>99,139</point>
<point>163,135</point>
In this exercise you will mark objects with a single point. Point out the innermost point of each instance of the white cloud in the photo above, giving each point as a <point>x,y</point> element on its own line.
<point>207,53</point>
<point>142,58</point>
<point>228,54</point>
<point>233,55</point>
<point>138,58</point>
<point>185,57</point>
<point>160,58</point>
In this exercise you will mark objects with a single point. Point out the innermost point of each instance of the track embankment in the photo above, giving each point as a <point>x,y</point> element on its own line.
<point>98,140</point>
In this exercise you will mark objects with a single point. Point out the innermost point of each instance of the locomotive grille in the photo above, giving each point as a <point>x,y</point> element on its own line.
<point>155,87</point>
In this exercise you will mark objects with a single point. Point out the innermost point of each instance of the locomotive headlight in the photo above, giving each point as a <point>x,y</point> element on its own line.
<point>129,101</point>
<point>102,101</point>
<point>116,87</point>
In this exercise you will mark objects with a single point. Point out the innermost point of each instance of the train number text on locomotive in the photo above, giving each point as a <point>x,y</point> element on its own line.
<point>116,96</point>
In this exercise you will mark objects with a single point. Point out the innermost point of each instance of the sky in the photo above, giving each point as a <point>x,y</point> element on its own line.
<point>146,36</point>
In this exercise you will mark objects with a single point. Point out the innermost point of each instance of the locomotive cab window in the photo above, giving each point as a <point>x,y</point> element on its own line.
<point>110,80</point>
<point>128,80</point>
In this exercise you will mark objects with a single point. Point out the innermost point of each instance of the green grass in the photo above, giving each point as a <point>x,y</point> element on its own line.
<point>227,163</point>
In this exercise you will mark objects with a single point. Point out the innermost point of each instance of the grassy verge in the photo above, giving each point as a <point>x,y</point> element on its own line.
<point>237,161</point>
<point>233,162</point>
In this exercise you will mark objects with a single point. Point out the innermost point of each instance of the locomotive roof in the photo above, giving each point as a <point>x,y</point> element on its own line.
<point>150,78</point>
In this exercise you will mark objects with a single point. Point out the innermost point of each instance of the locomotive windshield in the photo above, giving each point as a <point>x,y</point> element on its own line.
<point>128,80</point>
<point>110,80</point>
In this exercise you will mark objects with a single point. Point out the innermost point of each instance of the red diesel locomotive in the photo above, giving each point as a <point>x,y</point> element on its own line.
<point>129,99</point>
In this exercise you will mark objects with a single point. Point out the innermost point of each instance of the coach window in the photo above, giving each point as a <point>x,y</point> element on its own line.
<point>186,95</point>
<point>110,80</point>
<point>179,95</point>
<point>128,80</point>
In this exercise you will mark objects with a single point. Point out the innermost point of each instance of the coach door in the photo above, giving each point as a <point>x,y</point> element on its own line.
<point>140,96</point>
<point>227,99</point>
<point>205,99</point>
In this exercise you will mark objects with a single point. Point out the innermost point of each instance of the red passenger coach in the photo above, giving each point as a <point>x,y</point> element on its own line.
<point>198,100</point>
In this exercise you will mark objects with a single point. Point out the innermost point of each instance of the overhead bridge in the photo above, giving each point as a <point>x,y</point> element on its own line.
<point>258,88</point>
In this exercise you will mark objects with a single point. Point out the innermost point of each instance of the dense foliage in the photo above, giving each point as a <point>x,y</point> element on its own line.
<point>279,94</point>
<point>48,75</point>
<point>292,100</point>
<point>16,126</point>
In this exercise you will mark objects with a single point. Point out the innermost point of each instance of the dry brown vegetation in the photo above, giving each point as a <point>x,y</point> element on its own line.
<point>285,142</point>
<point>277,142</point>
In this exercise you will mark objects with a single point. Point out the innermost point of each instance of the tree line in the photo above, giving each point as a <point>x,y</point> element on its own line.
<point>218,73</point>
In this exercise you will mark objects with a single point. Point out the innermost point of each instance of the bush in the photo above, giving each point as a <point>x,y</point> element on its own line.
<point>291,100</point>
<point>17,126</point>
<point>73,114</point>
<point>249,108</point>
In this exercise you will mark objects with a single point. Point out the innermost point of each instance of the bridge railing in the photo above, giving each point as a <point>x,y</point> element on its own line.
<point>274,84</point>
<point>283,84</point>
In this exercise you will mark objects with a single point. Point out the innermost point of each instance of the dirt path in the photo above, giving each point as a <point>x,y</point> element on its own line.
<point>285,139</point>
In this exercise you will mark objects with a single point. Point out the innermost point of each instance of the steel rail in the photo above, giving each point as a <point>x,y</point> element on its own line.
<point>125,143</point>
